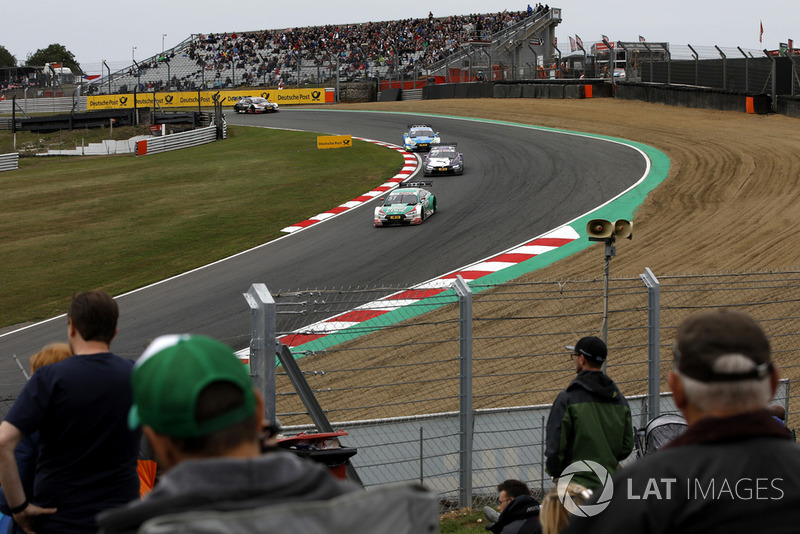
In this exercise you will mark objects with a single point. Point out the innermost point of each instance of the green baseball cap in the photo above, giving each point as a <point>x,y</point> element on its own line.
<point>169,376</point>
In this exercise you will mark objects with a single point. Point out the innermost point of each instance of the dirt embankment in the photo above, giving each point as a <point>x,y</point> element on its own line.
<point>730,203</point>
<point>731,200</point>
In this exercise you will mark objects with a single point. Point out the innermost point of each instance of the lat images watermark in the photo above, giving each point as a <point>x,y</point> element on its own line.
<point>742,489</point>
<point>585,510</point>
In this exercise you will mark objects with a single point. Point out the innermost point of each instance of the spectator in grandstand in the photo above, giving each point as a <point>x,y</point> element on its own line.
<point>87,454</point>
<point>517,511</point>
<point>590,420</point>
<point>732,469</point>
<point>553,516</point>
<point>195,402</point>
<point>27,449</point>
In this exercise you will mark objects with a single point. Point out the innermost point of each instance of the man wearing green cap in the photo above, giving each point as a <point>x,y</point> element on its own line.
<point>195,403</point>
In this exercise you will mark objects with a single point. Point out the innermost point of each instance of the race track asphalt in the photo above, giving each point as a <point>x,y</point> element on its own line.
<point>519,182</point>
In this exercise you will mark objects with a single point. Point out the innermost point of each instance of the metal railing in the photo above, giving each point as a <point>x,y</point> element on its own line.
<point>177,141</point>
<point>398,384</point>
<point>9,162</point>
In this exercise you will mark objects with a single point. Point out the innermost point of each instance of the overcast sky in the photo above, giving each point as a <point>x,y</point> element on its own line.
<point>95,30</point>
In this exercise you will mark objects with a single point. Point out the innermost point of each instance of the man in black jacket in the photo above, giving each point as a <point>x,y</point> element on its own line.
<point>518,511</point>
<point>734,469</point>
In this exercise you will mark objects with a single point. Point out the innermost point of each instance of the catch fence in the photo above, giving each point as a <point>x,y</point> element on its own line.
<point>394,381</point>
<point>406,376</point>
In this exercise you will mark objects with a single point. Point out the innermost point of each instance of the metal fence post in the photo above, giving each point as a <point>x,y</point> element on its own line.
<point>263,346</point>
<point>653,342</point>
<point>746,70</point>
<point>773,73</point>
<point>696,65</point>
<point>465,406</point>
<point>724,67</point>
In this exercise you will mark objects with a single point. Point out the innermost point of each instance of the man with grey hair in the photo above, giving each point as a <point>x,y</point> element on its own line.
<point>733,470</point>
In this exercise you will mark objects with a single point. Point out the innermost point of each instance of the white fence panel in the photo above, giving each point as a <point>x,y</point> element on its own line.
<point>9,162</point>
<point>197,137</point>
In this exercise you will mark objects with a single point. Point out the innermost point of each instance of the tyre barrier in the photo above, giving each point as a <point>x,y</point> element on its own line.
<point>672,95</point>
<point>695,97</point>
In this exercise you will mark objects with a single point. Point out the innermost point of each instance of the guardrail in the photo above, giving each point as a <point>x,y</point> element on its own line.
<point>197,137</point>
<point>61,104</point>
<point>9,162</point>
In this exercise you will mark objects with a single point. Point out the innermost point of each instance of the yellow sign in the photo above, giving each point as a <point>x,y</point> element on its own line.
<point>334,141</point>
<point>184,99</point>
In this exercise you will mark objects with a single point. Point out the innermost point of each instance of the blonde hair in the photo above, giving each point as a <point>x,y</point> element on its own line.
<point>51,353</point>
<point>552,514</point>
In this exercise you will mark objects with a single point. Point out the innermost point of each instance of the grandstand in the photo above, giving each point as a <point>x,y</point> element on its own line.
<point>403,49</point>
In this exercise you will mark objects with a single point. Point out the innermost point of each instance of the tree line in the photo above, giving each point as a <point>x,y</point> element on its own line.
<point>54,53</point>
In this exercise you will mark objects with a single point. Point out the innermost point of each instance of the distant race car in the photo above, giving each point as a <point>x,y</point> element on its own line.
<point>409,204</point>
<point>255,104</point>
<point>420,137</point>
<point>443,158</point>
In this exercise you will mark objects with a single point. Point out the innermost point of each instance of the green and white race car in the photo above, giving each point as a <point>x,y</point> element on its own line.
<point>409,204</point>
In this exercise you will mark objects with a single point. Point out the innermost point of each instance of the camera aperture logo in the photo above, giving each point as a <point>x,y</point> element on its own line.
<point>585,510</point>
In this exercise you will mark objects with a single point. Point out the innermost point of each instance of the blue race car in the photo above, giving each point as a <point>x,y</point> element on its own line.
<point>419,137</point>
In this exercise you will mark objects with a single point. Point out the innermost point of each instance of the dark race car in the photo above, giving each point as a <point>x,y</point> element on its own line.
<point>443,158</point>
<point>255,104</point>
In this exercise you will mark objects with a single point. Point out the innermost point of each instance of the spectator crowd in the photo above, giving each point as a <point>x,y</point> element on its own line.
<point>399,48</point>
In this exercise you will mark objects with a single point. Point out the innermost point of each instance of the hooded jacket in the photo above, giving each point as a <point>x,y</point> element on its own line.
<point>225,484</point>
<point>590,420</point>
<point>521,516</point>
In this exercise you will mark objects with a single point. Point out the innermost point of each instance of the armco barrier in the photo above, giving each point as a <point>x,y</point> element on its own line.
<point>9,162</point>
<point>200,136</point>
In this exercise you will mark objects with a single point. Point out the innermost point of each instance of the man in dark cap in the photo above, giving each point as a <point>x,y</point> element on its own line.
<point>733,469</point>
<point>590,420</point>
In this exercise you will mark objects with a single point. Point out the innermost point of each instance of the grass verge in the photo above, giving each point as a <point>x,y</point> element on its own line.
<point>462,521</point>
<point>117,223</point>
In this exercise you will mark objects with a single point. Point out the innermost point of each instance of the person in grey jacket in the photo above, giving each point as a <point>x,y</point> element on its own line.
<point>195,403</point>
<point>734,468</point>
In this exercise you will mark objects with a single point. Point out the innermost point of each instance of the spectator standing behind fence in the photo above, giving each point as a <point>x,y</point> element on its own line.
<point>590,420</point>
<point>195,402</point>
<point>734,469</point>
<point>517,511</point>
<point>87,454</point>
<point>27,449</point>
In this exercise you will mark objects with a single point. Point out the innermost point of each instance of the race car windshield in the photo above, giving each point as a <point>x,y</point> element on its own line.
<point>422,133</point>
<point>443,153</point>
<point>407,199</point>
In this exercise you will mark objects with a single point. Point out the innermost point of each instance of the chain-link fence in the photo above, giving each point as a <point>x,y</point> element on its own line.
<point>393,381</point>
<point>385,364</point>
